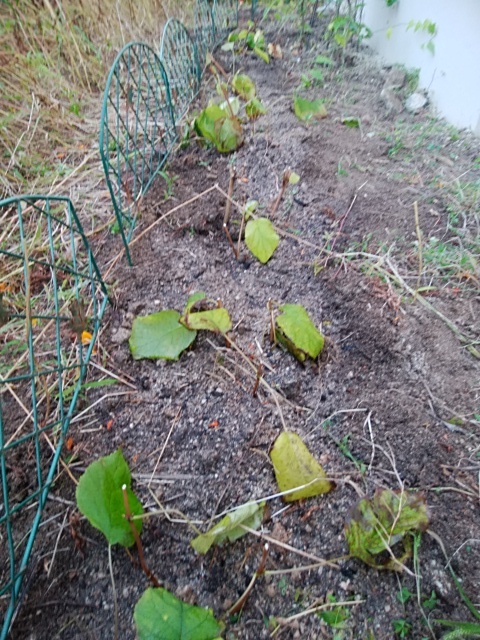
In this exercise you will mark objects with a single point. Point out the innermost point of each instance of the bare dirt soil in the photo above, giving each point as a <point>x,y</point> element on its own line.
<point>391,401</point>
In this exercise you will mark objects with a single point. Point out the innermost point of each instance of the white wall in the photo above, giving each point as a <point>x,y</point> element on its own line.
<point>452,74</point>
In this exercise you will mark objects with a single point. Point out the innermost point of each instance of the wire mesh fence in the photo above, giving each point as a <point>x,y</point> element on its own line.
<point>137,130</point>
<point>52,299</point>
<point>179,56</point>
<point>145,97</point>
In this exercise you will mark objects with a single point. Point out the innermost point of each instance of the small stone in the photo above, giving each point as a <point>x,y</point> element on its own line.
<point>120,335</point>
<point>395,78</point>
<point>391,101</point>
<point>415,102</point>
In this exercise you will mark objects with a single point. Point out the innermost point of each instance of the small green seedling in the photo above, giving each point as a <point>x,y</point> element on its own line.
<point>377,525</point>
<point>254,109</point>
<point>250,39</point>
<point>295,467</point>
<point>294,330</point>
<point>166,334</point>
<point>261,238</point>
<point>307,110</point>
<point>244,86</point>
<point>159,615</point>
<point>219,125</point>
<point>402,628</point>
<point>230,528</point>
<point>337,618</point>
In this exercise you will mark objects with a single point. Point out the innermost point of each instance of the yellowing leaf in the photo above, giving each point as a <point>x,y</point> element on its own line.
<point>216,320</point>
<point>261,238</point>
<point>295,466</point>
<point>230,527</point>
<point>376,525</point>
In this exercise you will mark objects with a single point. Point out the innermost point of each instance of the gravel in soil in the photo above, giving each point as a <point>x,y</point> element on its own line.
<point>376,410</point>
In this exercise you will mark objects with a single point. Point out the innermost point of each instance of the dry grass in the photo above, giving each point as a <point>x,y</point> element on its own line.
<point>53,66</point>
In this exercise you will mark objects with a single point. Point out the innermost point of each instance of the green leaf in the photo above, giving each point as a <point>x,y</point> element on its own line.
<point>100,498</point>
<point>216,320</point>
<point>160,335</point>
<point>261,238</point>
<point>308,109</point>
<point>230,527</point>
<point>295,466</point>
<point>254,108</point>
<point>317,75</point>
<point>353,123</point>
<point>193,299</point>
<point>325,61</point>
<point>159,615</point>
<point>376,525</point>
<point>261,53</point>
<point>216,125</point>
<point>294,178</point>
<point>228,46</point>
<point>244,86</point>
<point>296,327</point>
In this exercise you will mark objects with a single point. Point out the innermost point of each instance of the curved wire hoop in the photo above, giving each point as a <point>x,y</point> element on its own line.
<point>204,28</point>
<point>179,55</point>
<point>225,16</point>
<point>137,130</point>
<point>50,279</point>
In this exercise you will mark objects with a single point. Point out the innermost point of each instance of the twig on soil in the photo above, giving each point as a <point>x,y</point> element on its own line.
<point>451,325</point>
<point>368,423</point>
<point>276,204</point>
<point>345,216</point>
<point>282,622</point>
<point>112,375</point>
<point>287,547</point>
<point>174,424</point>
<point>240,603</point>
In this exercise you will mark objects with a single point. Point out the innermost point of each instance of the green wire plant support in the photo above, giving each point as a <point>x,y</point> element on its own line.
<point>204,28</point>
<point>179,55</point>
<point>137,130</point>
<point>225,18</point>
<point>51,292</point>
<point>145,97</point>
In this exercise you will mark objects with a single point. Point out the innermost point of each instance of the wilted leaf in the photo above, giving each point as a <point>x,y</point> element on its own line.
<point>216,320</point>
<point>160,335</point>
<point>298,333</point>
<point>244,86</point>
<point>261,238</point>
<point>254,108</point>
<point>275,51</point>
<point>229,528</point>
<point>308,109</point>
<point>376,525</point>
<point>193,299</point>
<point>295,466</point>
<point>353,123</point>
<point>159,615</point>
<point>100,498</point>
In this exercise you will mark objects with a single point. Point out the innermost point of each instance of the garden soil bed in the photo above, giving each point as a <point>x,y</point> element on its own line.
<point>376,410</point>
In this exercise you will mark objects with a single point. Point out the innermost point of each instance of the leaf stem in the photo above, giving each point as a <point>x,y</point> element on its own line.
<point>128,514</point>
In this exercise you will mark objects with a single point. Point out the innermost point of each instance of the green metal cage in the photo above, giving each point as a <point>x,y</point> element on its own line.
<point>204,28</point>
<point>179,55</point>
<point>225,18</point>
<point>137,130</point>
<point>51,292</point>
